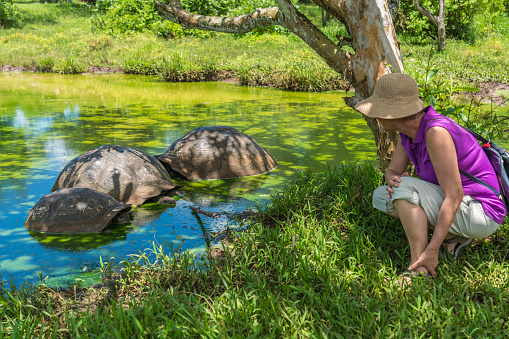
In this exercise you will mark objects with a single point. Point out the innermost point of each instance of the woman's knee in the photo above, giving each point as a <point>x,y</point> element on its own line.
<point>380,198</point>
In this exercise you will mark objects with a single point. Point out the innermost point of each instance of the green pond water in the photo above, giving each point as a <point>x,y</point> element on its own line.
<point>46,120</point>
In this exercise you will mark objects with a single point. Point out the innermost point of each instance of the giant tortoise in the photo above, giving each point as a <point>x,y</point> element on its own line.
<point>217,152</point>
<point>76,210</point>
<point>127,174</point>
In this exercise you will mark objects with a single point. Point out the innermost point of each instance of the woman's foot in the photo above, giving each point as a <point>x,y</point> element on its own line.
<point>408,277</point>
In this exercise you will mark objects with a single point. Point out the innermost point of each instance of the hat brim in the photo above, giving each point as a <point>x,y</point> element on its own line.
<point>389,109</point>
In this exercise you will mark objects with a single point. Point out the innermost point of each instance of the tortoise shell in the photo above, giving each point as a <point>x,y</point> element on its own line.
<point>75,210</point>
<point>217,152</point>
<point>127,174</point>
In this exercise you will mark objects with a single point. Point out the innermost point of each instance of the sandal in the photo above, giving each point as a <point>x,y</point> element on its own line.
<point>461,244</point>
<point>406,277</point>
<point>443,252</point>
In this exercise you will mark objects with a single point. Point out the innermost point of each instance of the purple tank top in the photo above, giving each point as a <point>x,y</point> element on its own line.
<point>471,159</point>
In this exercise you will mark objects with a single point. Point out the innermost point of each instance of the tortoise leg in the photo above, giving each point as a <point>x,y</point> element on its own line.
<point>121,218</point>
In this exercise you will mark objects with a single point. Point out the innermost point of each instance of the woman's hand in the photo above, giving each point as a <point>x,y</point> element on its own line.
<point>428,259</point>
<point>393,180</point>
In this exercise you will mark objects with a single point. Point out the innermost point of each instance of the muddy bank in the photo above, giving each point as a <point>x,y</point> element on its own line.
<point>488,93</point>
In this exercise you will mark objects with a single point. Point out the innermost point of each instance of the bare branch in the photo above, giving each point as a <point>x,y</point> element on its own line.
<point>441,11</point>
<point>285,15</point>
<point>438,21</point>
<point>335,8</point>
<point>239,24</point>
<point>424,11</point>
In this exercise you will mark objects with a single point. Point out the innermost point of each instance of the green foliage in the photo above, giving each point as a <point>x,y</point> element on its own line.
<point>69,65</point>
<point>464,19</point>
<point>319,262</point>
<point>47,16</point>
<point>10,15</point>
<point>126,17</point>
<point>132,16</point>
<point>207,7</point>
<point>449,100</point>
<point>487,14</point>
<point>45,64</point>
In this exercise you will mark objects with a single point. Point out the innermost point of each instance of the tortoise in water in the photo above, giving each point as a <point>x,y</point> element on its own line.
<point>217,152</point>
<point>127,174</point>
<point>76,210</point>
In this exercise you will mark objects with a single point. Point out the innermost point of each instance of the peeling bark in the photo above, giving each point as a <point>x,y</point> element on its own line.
<point>439,20</point>
<point>369,23</point>
<point>240,24</point>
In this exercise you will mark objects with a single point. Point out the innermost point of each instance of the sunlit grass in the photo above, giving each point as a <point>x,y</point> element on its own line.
<point>59,38</point>
<point>314,264</point>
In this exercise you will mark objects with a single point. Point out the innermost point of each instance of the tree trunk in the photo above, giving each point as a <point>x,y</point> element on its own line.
<point>325,18</point>
<point>438,21</point>
<point>369,23</point>
<point>441,26</point>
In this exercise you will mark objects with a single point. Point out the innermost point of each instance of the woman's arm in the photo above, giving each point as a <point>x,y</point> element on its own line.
<point>397,168</point>
<point>442,152</point>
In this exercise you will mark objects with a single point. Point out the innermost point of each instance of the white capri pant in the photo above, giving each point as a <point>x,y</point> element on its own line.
<point>470,221</point>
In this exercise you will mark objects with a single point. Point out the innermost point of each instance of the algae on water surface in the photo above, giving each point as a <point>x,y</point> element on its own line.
<point>47,119</point>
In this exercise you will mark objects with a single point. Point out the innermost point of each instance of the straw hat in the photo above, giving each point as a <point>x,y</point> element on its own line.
<point>395,96</point>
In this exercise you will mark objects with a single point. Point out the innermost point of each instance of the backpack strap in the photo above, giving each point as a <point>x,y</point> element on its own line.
<point>468,175</point>
<point>480,181</point>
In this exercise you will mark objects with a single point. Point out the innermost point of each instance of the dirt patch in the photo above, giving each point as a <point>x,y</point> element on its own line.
<point>488,92</point>
<point>103,70</point>
<point>17,69</point>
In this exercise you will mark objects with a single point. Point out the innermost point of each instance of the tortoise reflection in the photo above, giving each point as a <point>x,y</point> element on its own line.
<point>146,214</point>
<point>82,241</point>
<point>208,192</point>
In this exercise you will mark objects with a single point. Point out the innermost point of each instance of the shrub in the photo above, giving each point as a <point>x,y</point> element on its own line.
<point>9,14</point>
<point>457,102</point>
<point>126,16</point>
<point>207,7</point>
<point>460,16</point>
<point>130,16</point>
<point>118,17</point>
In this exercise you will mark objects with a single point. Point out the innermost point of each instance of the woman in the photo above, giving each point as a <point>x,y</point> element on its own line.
<point>455,207</point>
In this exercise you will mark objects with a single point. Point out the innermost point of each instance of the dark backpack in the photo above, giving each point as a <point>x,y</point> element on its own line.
<point>499,159</point>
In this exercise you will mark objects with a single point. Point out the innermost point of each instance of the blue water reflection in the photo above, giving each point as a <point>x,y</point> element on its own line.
<point>46,120</point>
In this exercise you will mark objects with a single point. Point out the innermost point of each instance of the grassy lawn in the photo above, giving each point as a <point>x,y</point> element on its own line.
<point>59,38</point>
<point>318,262</point>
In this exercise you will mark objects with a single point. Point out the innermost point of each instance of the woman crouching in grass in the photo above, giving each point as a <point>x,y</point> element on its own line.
<point>455,207</point>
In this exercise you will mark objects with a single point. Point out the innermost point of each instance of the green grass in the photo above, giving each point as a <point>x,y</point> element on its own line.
<point>483,61</point>
<point>313,265</point>
<point>59,38</point>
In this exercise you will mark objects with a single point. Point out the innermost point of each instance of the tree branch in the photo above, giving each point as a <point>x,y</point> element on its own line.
<point>285,15</point>
<point>239,24</point>
<point>424,11</point>
<point>298,24</point>
<point>441,11</point>
<point>335,8</point>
